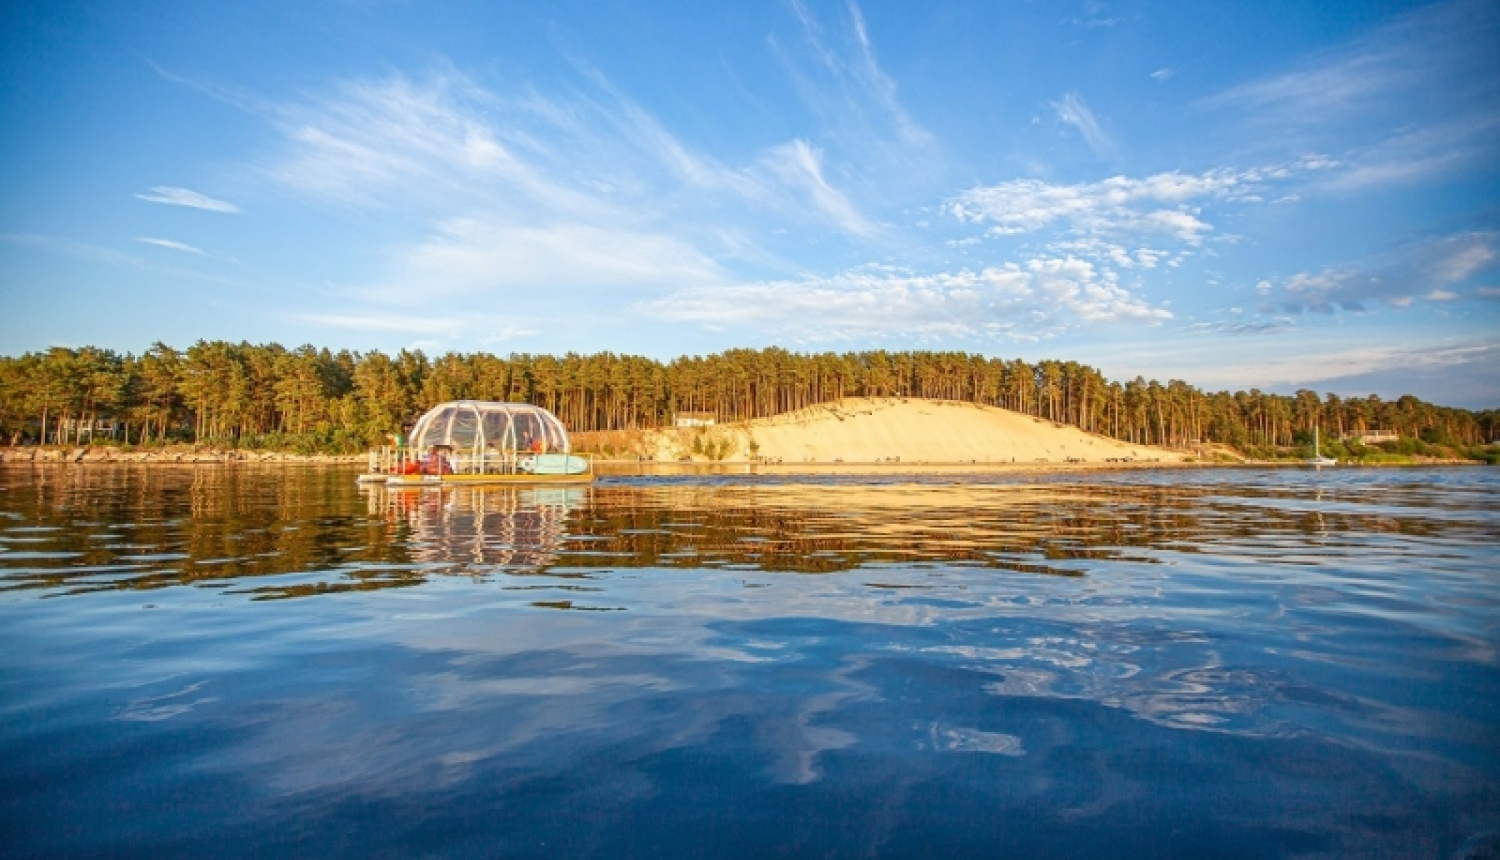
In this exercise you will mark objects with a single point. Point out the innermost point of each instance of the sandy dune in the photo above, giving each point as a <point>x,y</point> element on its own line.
<point>858,430</point>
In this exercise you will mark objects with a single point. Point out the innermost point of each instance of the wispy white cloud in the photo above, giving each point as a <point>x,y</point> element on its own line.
<point>401,139</point>
<point>519,195</point>
<point>1417,156</point>
<point>402,323</point>
<point>101,254</point>
<point>1075,112</point>
<point>1159,204</point>
<point>530,263</point>
<point>429,332</point>
<point>1163,74</point>
<point>1257,326</point>
<point>232,96</point>
<point>880,86</point>
<point>1443,44</point>
<point>72,248</point>
<point>1359,360</point>
<point>1385,173</point>
<point>1457,257</point>
<point>841,81</point>
<point>1453,370</point>
<point>445,143</point>
<point>1433,270</point>
<point>1414,99</point>
<point>1326,291</point>
<point>184,197</point>
<point>1334,86</point>
<point>1096,15</point>
<point>171,244</point>
<point>638,128</point>
<point>801,165</point>
<point>1044,297</point>
<point>1374,358</point>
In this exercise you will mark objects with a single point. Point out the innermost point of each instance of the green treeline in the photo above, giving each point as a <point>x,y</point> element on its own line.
<point>309,399</point>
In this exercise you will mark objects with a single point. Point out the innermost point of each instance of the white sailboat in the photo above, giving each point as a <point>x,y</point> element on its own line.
<point>1317,458</point>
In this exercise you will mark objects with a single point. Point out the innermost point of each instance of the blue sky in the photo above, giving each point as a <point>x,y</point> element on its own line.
<point>1271,194</point>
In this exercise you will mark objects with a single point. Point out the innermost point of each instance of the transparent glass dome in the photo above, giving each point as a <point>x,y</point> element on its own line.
<point>474,425</point>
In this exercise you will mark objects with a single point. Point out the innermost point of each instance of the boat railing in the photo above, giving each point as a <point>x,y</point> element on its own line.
<point>391,460</point>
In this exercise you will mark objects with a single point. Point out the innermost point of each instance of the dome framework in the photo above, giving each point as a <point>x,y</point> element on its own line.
<point>477,425</point>
<point>481,442</point>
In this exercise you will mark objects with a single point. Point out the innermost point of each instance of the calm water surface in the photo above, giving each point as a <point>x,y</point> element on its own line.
<point>1223,663</point>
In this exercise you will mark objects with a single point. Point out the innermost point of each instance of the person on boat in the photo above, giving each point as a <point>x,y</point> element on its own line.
<point>435,462</point>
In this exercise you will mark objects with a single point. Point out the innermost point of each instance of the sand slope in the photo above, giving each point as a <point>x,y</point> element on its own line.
<point>859,430</point>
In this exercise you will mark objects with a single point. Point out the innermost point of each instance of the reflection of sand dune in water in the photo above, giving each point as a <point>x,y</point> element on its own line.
<point>862,430</point>
<point>886,502</point>
<point>828,527</point>
<point>509,526</point>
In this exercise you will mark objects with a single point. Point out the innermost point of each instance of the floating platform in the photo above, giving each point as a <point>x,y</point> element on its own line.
<point>521,479</point>
<point>476,442</point>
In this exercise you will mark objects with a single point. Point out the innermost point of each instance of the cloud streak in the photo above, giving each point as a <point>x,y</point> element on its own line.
<point>1443,44</point>
<point>1330,361</point>
<point>1075,112</point>
<point>445,142</point>
<point>1412,100</point>
<point>1011,302</point>
<point>840,80</point>
<point>1360,361</point>
<point>1433,270</point>
<point>99,254</point>
<point>172,245</point>
<point>1164,204</point>
<point>801,165</point>
<point>471,255</point>
<point>520,195</point>
<point>170,196</point>
<point>399,323</point>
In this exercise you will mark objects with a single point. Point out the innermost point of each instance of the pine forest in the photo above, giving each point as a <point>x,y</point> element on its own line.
<point>311,400</point>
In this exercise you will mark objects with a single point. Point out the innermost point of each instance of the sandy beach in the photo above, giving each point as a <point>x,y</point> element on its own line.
<point>904,431</point>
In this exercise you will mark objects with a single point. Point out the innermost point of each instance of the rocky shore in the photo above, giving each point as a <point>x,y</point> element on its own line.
<point>171,454</point>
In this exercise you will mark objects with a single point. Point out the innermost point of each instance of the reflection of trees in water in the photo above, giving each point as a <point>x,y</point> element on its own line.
<point>512,527</point>
<point>115,527</point>
<point>142,527</point>
<point>270,532</point>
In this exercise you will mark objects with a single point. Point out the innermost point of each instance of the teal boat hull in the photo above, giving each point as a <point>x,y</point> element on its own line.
<point>556,464</point>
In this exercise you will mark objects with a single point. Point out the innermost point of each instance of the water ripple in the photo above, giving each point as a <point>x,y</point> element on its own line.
<point>226,661</point>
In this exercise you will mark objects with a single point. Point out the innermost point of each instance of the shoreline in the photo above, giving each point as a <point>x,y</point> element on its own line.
<point>629,467</point>
<point>191,456</point>
<point>166,456</point>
